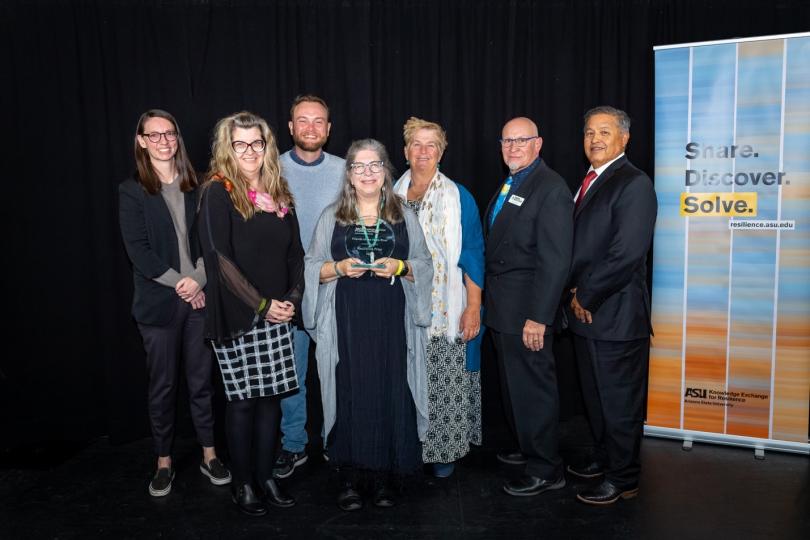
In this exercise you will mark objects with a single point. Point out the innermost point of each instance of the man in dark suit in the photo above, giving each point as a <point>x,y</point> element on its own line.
<point>610,307</point>
<point>528,252</point>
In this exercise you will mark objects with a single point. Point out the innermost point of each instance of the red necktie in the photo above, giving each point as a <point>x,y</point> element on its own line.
<point>590,177</point>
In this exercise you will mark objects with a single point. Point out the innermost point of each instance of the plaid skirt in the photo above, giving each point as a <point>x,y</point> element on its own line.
<point>258,364</point>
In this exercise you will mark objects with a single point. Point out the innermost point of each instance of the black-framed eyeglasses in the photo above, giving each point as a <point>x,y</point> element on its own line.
<point>359,168</point>
<point>155,136</point>
<point>520,142</point>
<point>240,147</point>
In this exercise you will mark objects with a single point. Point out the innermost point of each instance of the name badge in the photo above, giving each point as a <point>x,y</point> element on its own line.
<point>517,201</point>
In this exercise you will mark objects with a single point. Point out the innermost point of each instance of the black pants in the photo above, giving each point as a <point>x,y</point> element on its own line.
<point>531,401</point>
<point>613,375</point>
<point>164,346</point>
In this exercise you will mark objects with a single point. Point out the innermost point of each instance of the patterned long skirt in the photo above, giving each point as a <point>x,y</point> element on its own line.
<point>454,402</point>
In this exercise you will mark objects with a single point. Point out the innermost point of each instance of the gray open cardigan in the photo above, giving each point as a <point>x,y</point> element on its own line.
<point>319,314</point>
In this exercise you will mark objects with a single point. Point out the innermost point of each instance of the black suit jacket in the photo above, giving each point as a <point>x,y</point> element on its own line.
<point>151,243</point>
<point>528,253</point>
<point>613,229</point>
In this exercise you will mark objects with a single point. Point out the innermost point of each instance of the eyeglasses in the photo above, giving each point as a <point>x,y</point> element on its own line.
<point>155,136</point>
<point>360,168</point>
<point>240,147</point>
<point>520,142</point>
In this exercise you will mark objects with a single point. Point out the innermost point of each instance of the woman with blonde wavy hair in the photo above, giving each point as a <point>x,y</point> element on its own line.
<point>255,264</point>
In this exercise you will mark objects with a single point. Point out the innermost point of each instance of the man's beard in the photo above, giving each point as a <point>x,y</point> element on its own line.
<point>309,145</point>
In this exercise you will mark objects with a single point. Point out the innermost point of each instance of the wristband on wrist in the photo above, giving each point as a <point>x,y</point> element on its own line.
<point>400,266</point>
<point>262,305</point>
<point>338,273</point>
<point>405,269</point>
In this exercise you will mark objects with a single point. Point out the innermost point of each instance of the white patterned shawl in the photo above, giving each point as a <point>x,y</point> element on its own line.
<point>440,218</point>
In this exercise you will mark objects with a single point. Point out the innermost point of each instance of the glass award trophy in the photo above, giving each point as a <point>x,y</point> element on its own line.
<point>369,243</point>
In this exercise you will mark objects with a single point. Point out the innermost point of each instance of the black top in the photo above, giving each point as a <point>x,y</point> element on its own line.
<point>246,261</point>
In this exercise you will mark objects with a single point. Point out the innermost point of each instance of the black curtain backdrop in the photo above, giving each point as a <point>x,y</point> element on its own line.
<point>76,76</point>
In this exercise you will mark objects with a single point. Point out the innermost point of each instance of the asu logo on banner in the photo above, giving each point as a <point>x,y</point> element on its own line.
<point>743,204</point>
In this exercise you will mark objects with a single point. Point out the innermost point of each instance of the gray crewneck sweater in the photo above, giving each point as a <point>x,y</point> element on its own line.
<point>314,187</point>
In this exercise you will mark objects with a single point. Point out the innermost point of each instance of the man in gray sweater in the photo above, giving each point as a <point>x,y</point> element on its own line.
<point>315,179</point>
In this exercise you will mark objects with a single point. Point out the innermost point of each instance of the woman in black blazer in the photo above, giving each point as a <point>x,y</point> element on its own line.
<point>157,208</point>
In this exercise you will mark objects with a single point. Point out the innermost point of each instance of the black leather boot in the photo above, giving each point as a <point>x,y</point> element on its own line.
<point>383,494</point>
<point>273,494</point>
<point>247,501</point>
<point>349,499</point>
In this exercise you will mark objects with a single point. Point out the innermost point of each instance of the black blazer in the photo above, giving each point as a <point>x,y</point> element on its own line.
<point>151,243</point>
<point>528,253</point>
<point>613,229</point>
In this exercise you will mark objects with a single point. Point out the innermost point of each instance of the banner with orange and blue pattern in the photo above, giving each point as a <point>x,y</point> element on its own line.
<point>730,359</point>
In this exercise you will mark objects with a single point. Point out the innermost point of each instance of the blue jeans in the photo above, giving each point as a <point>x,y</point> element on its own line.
<point>294,407</point>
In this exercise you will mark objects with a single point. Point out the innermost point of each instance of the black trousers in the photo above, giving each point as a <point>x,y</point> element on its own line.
<point>613,375</point>
<point>164,346</point>
<point>531,401</point>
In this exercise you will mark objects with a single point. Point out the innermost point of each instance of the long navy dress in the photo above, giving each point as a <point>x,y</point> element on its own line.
<point>375,425</point>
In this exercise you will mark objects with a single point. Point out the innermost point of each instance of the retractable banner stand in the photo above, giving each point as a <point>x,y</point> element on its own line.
<point>730,359</point>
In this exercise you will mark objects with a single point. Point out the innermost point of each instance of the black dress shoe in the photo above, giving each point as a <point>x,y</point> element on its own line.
<point>348,499</point>
<point>247,501</point>
<point>512,457</point>
<point>273,494</point>
<point>528,486</point>
<point>383,496</point>
<point>607,493</point>
<point>591,470</point>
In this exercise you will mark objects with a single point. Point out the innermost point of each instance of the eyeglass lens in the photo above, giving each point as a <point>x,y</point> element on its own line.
<point>373,166</point>
<point>240,147</point>
<point>155,136</point>
<point>520,141</point>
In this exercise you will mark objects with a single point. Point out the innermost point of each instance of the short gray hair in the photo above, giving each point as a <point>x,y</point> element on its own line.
<point>621,117</point>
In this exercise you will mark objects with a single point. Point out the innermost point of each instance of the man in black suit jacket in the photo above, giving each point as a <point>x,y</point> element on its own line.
<point>528,253</point>
<point>610,308</point>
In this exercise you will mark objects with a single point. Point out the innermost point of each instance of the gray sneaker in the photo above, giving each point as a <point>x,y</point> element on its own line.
<point>287,462</point>
<point>216,471</point>
<point>161,483</point>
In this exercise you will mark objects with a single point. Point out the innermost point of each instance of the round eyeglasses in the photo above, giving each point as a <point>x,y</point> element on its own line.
<point>155,136</point>
<point>240,147</point>
<point>359,168</point>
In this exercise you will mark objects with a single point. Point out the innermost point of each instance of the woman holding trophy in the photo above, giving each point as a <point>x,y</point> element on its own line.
<point>367,299</point>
